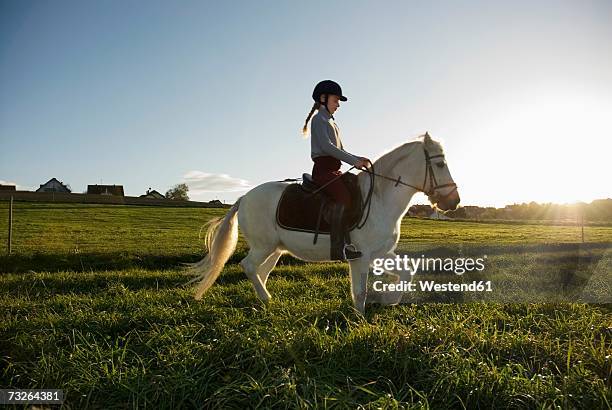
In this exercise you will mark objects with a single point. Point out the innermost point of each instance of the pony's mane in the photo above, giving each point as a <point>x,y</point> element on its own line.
<point>387,161</point>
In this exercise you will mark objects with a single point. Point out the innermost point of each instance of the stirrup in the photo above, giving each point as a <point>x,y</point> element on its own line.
<point>350,252</point>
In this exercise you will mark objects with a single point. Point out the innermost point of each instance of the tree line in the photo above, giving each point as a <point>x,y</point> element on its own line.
<point>599,210</point>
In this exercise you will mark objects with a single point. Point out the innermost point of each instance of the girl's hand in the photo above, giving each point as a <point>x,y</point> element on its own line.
<point>362,164</point>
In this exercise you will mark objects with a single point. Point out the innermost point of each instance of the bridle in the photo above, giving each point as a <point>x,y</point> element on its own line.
<point>429,175</point>
<point>432,192</point>
<point>433,183</point>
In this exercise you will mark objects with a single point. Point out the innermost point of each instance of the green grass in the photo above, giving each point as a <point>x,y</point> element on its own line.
<point>91,302</point>
<point>428,232</point>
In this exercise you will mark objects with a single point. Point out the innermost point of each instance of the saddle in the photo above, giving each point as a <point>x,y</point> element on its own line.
<point>301,209</point>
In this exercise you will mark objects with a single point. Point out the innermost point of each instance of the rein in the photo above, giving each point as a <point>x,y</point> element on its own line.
<point>429,174</point>
<point>431,192</point>
<point>433,183</point>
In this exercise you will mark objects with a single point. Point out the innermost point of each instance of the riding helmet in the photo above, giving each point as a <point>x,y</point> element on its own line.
<point>327,87</point>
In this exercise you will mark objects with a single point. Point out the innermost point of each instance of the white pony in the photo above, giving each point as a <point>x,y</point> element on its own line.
<point>414,166</point>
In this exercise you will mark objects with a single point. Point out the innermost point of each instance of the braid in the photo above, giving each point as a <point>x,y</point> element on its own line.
<point>315,106</point>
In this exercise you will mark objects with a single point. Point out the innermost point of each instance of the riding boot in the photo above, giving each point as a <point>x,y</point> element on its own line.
<point>350,250</point>
<point>336,233</point>
<point>339,233</point>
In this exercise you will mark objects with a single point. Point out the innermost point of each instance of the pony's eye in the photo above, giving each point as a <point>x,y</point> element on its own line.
<point>441,164</point>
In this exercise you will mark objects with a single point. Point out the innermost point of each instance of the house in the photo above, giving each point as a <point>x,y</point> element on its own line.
<point>215,202</point>
<point>151,193</point>
<point>422,211</point>
<point>437,215</point>
<point>53,185</point>
<point>7,187</point>
<point>116,190</point>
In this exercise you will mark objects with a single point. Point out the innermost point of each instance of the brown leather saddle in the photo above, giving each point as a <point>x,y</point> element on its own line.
<point>301,209</point>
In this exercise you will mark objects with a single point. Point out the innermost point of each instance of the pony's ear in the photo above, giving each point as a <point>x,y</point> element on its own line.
<point>426,137</point>
<point>427,134</point>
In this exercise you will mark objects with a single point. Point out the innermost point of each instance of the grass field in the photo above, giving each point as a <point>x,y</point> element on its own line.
<point>92,303</point>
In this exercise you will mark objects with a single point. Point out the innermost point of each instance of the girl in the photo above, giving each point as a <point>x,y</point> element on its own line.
<point>327,152</point>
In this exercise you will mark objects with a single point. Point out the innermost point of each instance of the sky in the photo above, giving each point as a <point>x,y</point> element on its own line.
<point>214,94</point>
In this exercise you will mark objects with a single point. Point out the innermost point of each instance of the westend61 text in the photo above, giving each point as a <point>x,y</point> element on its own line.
<point>405,263</point>
<point>433,286</point>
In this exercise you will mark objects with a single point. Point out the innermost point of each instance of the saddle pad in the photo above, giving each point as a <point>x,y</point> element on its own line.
<point>298,210</point>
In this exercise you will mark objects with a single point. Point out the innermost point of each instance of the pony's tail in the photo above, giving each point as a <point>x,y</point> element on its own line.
<point>220,241</point>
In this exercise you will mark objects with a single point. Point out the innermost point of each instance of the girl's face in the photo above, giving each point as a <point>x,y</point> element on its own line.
<point>333,103</point>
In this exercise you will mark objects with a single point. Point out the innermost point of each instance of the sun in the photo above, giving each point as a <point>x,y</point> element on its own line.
<point>549,148</point>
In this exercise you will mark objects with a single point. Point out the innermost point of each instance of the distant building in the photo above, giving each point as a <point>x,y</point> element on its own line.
<point>116,190</point>
<point>53,185</point>
<point>7,187</point>
<point>151,193</point>
<point>422,211</point>
<point>437,215</point>
<point>216,202</point>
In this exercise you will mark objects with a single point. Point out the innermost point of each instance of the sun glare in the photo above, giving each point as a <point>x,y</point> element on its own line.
<point>549,149</point>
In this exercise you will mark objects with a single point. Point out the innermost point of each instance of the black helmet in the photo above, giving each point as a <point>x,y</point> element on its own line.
<point>327,87</point>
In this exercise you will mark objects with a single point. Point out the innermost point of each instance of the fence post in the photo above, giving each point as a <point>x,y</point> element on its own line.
<point>582,221</point>
<point>10,225</point>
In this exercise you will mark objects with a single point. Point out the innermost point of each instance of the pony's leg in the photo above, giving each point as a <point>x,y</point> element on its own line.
<point>359,269</point>
<point>265,268</point>
<point>251,265</point>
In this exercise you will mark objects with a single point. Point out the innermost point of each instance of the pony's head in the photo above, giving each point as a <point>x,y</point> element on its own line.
<point>419,164</point>
<point>438,184</point>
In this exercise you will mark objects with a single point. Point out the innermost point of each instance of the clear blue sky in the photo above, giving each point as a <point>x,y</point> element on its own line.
<point>151,94</point>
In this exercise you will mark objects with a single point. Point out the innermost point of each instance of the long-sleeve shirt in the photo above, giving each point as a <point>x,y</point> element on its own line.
<point>325,138</point>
